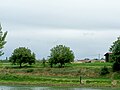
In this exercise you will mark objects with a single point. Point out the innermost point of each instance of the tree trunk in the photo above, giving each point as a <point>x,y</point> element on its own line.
<point>80,80</point>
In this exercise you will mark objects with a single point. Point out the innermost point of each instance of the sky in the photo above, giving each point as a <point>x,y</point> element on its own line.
<point>88,27</point>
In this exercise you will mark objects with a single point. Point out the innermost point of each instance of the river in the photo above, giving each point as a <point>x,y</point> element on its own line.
<point>50,88</point>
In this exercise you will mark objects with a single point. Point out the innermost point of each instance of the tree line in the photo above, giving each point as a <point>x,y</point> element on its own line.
<point>60,54</point>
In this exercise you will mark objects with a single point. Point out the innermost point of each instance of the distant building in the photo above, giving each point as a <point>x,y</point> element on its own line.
<point>84,61</point>
<point>108,56</point>
<point>89,61</point>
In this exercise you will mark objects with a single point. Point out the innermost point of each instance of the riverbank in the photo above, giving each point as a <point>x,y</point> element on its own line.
<point>68,76</point>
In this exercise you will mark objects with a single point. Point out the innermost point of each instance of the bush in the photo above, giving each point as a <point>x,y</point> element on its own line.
<point>29,70</point>
<point>104,71</point>
<point>116,66</point>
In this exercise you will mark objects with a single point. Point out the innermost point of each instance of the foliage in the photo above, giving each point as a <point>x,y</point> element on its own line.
<point>104,71</point>
<point>43,62</point>
<point>115,49</point>
<point>37,75</point>
<point>116,75</point>
<point>60,54</point>
<point>116,66</point>
<point>2,40</point>
<point>29,70</point>
<point>22,55</point>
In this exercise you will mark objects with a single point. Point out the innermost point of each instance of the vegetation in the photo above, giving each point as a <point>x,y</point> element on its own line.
<point>22,55</point>
<point>36,74</point>
<point>104,71</point>
<point>61,55</point>
<point>43,62</point>
<point>73,74</point>
<point>115,49</point>
<point>2,40</point>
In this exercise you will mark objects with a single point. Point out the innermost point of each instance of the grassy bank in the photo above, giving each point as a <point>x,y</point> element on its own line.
<point>67,76</point>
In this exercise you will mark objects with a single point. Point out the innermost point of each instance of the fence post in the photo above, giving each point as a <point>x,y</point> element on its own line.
<point>80,79</point>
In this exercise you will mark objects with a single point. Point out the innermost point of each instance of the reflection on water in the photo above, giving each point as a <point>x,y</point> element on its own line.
<point>50,88</point>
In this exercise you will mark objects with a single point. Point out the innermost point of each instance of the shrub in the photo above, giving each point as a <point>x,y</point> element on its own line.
<point>116,66</point>
<point>104,71</point>
<point>30,70</point>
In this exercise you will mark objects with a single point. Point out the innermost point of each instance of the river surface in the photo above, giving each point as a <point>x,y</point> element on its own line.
<point>50,88</point>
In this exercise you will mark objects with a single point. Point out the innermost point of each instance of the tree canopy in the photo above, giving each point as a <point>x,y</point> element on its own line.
<point>61,54</point>
<point>22,55</point>
<point>115,49</point>
<point>2,40</point>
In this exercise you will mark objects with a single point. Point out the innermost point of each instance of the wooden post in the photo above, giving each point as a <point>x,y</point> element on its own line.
<point>80,80</point>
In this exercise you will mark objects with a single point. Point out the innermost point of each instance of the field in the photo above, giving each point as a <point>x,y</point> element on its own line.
<point>68,76</point>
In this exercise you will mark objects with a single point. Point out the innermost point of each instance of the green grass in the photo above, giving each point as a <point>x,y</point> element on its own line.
<point>69,75</point>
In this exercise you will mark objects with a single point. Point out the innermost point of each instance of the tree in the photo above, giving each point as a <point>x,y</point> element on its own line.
<point>22,55</point>
<point>60,54</point>
<point>2,40</point>
<point>115,49</point>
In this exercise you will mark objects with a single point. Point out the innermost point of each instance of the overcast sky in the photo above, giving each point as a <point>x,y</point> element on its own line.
<point>88,27</point>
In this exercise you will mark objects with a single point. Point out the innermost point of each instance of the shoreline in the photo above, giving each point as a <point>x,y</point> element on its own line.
<point>12,83</point>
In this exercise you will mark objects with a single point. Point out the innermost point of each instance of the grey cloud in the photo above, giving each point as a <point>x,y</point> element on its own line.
<point>92,24</point>
<point>76,14</point>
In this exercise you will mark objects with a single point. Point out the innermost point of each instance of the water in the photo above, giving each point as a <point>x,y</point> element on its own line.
<point>50,88</point>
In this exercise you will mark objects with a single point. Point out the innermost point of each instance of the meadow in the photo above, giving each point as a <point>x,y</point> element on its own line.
<point>41,75</point>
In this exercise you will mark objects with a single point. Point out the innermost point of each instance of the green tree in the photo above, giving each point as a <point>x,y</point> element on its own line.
<point>60,54</point>
<point>22,55</point>
<point>115,49</point>
<point>2,40</point>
